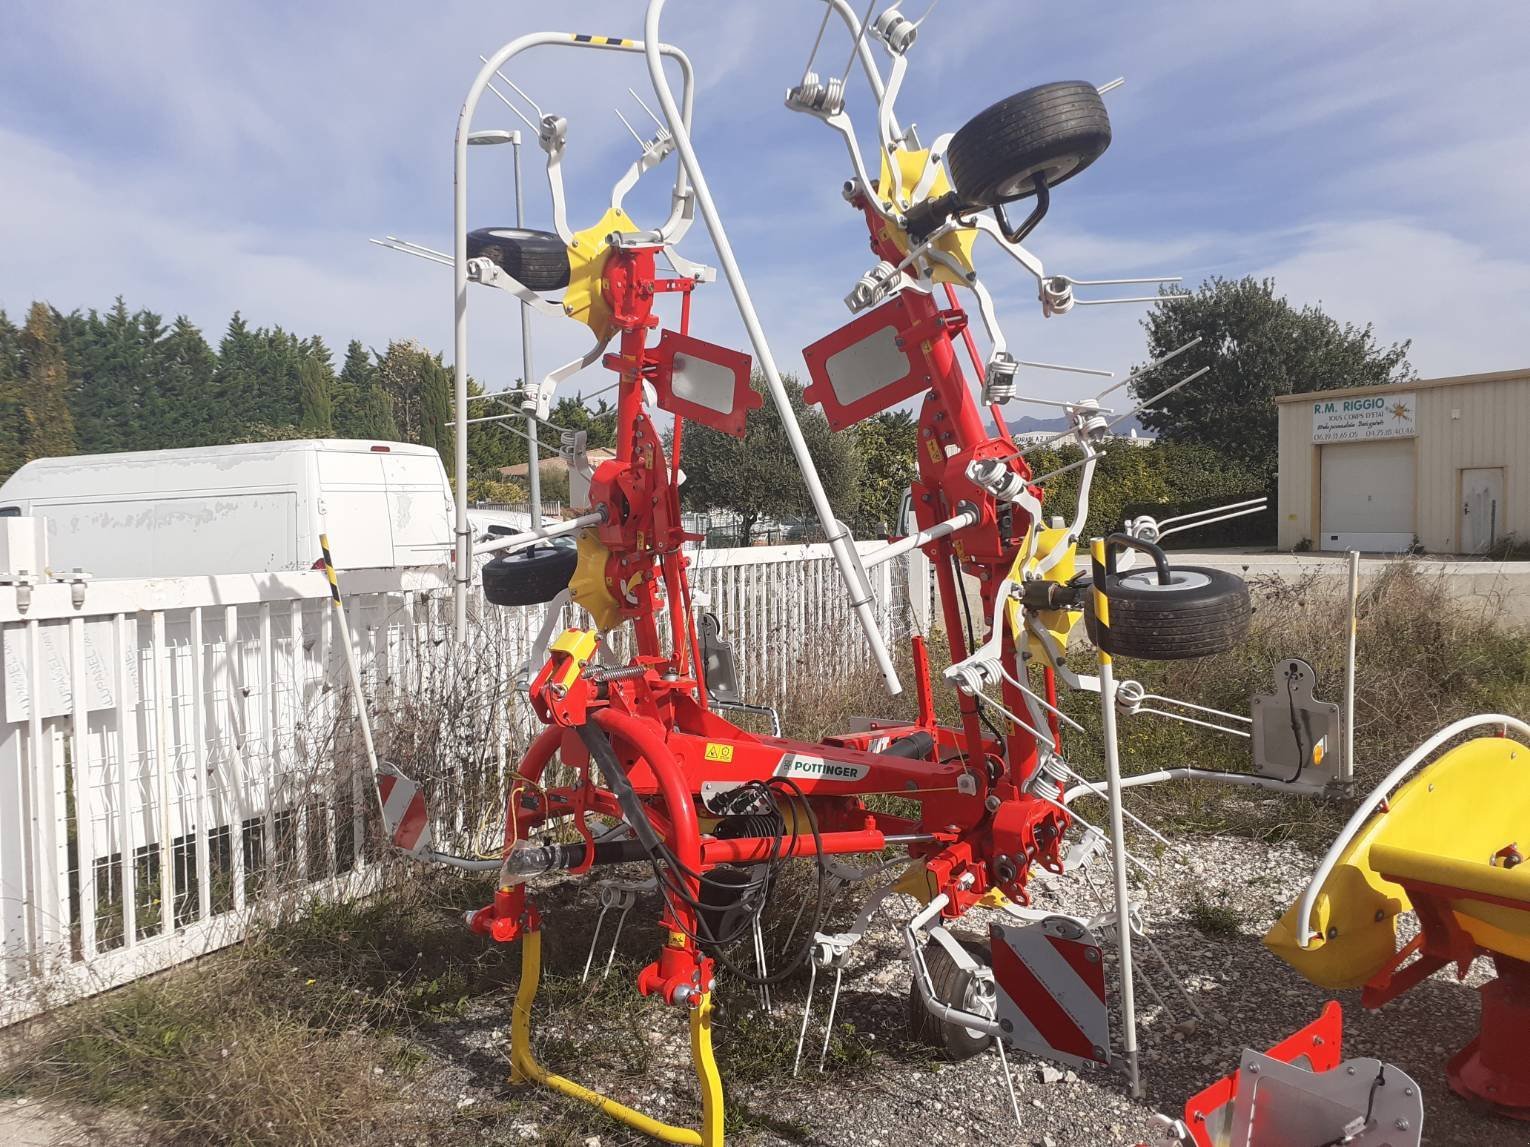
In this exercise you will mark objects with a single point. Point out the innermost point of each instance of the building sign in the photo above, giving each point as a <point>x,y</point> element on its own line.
<point>1364,418</point>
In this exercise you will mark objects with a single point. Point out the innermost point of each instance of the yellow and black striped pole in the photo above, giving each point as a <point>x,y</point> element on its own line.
<point>362,717</point>
<point>1099,603</point>
<point>329,572</point>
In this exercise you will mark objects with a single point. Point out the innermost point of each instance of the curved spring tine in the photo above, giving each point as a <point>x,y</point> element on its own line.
<point>828,1027</point>
<point>594,940</point>
<point>807,1010</point>
<point>1014,1104</point>
<point>616,939</point>
<point>759,955</point>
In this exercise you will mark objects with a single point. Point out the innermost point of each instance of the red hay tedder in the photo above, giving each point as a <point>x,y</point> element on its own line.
<point>652,770</point>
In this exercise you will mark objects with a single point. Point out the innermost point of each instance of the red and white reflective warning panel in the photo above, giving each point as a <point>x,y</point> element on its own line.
<point>868,365</point>
<point>404,813</point>
<point>1051,981</point>
<point>704,382</point>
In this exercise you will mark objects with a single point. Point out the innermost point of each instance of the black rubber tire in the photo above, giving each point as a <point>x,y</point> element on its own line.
<point>1203,611</point>
<point>957,1043</point>
<point>728,896</point>
<point>530,576</point>
<point>535,259</point>
<point>1058,129</point>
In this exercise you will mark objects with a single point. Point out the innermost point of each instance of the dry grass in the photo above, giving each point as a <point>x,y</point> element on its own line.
<point>1424,659</point>
<point>300,1035</point>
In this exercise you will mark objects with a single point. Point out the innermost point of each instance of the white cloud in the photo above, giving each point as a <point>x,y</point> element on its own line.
<point>1459,302</point>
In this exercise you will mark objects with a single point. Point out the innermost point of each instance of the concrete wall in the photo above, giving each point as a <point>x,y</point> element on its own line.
<point>1471,421</point>
<point>1501,588</point>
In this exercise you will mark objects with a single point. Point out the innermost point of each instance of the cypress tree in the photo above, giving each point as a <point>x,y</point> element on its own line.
<point>187,413</point>
<point>351,387</point>
<point>48,427</point>
<point>234,380</point>
<point>435,406</point>
<point>12,422</point>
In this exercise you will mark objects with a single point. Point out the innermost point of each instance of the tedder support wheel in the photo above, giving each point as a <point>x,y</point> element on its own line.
<point>535,259</point>
<point>1200,612</point>
<point>1055,130</point>
<point>954,986</point>
<point>529,577</point>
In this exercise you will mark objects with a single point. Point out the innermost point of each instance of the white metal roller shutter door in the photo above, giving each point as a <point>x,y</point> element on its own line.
<point>1368,496</point>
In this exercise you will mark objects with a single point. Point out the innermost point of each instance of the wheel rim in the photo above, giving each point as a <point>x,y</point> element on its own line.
<point>1178,580</point>
<point>1022,185</point>
<point>978,998</point>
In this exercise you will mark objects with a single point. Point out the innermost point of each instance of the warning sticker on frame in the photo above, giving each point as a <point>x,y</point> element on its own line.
<point>801,767</point>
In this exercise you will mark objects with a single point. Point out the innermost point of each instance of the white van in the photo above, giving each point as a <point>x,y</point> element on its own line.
<point>253,508</point>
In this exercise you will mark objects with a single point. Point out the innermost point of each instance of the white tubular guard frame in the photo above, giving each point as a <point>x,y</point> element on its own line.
<point>841,543</point>
<point>460,281</point>
<point>1369,804</point>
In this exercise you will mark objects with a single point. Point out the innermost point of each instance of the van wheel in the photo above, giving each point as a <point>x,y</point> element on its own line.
<point>1200,612</point>
<point>535,259</point>
<point>529,577</point>
<point>1055,130</point>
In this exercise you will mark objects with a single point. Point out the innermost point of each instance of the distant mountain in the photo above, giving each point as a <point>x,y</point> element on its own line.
<point>1026,422</point>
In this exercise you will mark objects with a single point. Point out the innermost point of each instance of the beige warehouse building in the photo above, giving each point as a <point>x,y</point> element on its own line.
<point>1443,461</point>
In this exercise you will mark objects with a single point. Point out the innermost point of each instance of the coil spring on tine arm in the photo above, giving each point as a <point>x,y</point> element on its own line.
<point>895,30</point>
<point>969,677</point>
<point>826,97</point>
<point>999,379</point>
<point>1049,770</point>
<point>871,287</point>
<point>1090,419</point>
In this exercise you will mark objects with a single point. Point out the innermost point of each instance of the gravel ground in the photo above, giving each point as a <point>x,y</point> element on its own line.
<point>880,1090</point>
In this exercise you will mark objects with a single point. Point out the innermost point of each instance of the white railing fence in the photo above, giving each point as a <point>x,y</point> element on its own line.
<point>177,757</point>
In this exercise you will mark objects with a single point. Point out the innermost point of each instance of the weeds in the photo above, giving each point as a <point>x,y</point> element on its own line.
<point>1424,659</point>
<point>1218,921</point>
<point>298,1035</point>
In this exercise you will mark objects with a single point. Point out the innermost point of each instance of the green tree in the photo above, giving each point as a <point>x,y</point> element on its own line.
<point>436,417</point>
<point>598,422</point>
<point>46,425</point>
<point>757,476</point>
<point>419,389</point>
<point>1257,346</point>
<point>885,443</point>
<point>316,380</point>
<point>237,378</point>
<point>362,409</point>
<point>183,411</point>
<point>12,420</point>
<point>1160,479</point>
<point>109,375</point>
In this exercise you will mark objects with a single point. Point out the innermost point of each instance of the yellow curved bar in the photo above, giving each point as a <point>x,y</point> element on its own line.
<point>1454,814</point>
<point>523,1065</point>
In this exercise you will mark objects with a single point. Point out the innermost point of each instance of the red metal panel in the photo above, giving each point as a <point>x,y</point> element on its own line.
<point>741,402</point>
<point>885,322</point>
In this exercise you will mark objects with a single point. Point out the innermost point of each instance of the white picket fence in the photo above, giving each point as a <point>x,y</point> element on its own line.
<point>167,746</point>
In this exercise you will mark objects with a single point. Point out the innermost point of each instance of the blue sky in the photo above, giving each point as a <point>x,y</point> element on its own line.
<point>199,158</point>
